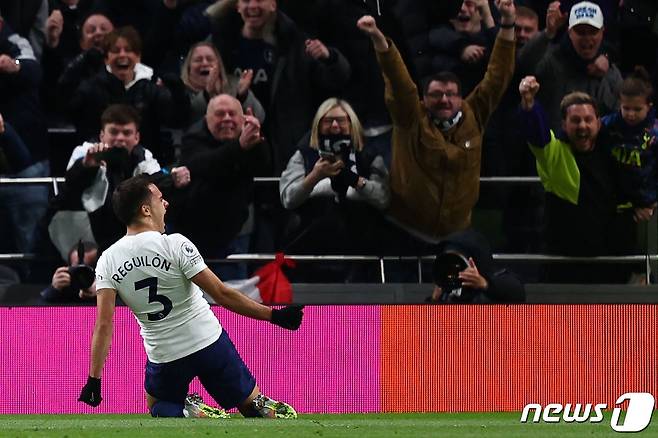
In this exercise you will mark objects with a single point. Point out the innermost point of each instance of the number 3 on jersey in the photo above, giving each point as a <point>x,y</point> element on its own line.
<point>152,284</point>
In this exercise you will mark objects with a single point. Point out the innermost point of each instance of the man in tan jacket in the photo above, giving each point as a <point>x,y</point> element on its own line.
<point>437,140</point>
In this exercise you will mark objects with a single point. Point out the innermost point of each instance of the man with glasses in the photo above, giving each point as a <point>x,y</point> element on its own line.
<point>437,140</point>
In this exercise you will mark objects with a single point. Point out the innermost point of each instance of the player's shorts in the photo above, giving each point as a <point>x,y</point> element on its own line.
<point>220,369</point>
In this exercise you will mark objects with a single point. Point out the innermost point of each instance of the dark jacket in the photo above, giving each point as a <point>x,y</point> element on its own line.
<point>365,90</point>
<point>562,71</point>
<point>299,84</point>
<point>84,66</point>
<point>580,190</point>
<point>414,16</point>
<point>69,41</point>
<point>55,59</point>
<point>215,204</point>
<point>136,13</point>
<point>172,32</point>
<point>20,104</point>
<point>635,150</point>
<point>14,155</point>
<point>27,18</point>
<point>158,105</point>
<point>504,286</point>
<point>447,45</point>
<point>20,14</point>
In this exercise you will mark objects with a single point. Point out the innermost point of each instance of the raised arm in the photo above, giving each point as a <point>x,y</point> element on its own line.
<point>485,97</point>
<point>507,18</point>
<point>368,25</point>
<point>401,93</point>
<point>532,117</point>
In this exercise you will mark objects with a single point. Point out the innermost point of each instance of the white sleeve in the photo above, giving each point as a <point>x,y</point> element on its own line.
<point>150,165</point>
<point>104,275</point>
<point>291,185</point>
<point>376,191</point>
<point>186,255</point>
<point>78,152</point>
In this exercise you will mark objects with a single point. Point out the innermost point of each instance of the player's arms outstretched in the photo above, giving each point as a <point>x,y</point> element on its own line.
<point>288,317</point>
<point>100,345</point>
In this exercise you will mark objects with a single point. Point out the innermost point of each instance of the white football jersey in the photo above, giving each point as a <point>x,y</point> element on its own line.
<point>151,273</point>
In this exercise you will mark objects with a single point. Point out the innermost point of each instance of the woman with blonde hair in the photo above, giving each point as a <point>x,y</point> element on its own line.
<point>204,75</point>
<point>338,187</point>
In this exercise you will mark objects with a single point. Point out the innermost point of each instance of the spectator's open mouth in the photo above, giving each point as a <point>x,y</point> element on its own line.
<point>253,13</point>
<point>123,64</point>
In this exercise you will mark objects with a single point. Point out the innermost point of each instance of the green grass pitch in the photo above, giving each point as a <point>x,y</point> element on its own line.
<point>348,425</point>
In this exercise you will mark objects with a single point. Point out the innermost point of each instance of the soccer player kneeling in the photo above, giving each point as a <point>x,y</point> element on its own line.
<point>160,277</point>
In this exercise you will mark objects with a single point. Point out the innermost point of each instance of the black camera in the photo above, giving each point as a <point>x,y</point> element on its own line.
<point>446,269</point>
<point>82,276</point>
<point>113,157</point>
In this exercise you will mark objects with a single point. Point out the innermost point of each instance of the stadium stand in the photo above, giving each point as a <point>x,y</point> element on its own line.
<point>409,23</point>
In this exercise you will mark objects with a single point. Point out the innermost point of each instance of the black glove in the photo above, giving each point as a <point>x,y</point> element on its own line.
<point>350,178</point>
<point>342,181</point>
<point>290,317</point>
<point>339,186</point>
<point>91,392</point>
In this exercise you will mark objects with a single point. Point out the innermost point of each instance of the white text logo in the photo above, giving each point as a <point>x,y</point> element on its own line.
<point>638,413</point>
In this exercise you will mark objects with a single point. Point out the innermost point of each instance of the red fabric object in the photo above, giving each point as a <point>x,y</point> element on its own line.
<point>274,285</point>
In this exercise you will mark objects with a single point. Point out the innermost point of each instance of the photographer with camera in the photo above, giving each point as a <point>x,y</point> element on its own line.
<point>464,272</point>
<point>95,169</point>
<point>76,281</point>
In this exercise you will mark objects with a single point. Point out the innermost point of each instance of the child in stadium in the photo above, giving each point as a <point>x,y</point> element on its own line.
<point>632,133</point>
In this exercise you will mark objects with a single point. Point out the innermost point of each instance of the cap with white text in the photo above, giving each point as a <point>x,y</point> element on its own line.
<point>586,13</point>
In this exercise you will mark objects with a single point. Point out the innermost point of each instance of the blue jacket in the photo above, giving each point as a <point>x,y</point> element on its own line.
<point>634,149</point>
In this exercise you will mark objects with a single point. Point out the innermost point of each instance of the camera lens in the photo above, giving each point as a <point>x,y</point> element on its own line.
<point>82,276</point>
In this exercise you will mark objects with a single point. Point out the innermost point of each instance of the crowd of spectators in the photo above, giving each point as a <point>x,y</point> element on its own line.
<point>379,117</point>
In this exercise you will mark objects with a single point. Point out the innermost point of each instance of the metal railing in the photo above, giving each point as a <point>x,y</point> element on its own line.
<point>528,258</point>
<point>55,181</point>
<point>650,257</point>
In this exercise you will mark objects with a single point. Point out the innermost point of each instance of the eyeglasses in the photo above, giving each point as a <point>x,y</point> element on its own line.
<point>342,121</point>
<point>440,94</point>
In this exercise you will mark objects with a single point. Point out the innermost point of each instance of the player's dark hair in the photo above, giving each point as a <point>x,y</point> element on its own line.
<point>577,98</point>
<point>129,197</point>
<point>128,33</point>
<point>444,76</point>
<point>637,84</point>
<point>120,114</point>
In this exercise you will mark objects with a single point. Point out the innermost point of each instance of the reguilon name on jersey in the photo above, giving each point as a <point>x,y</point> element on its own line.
<point>124,268</point>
